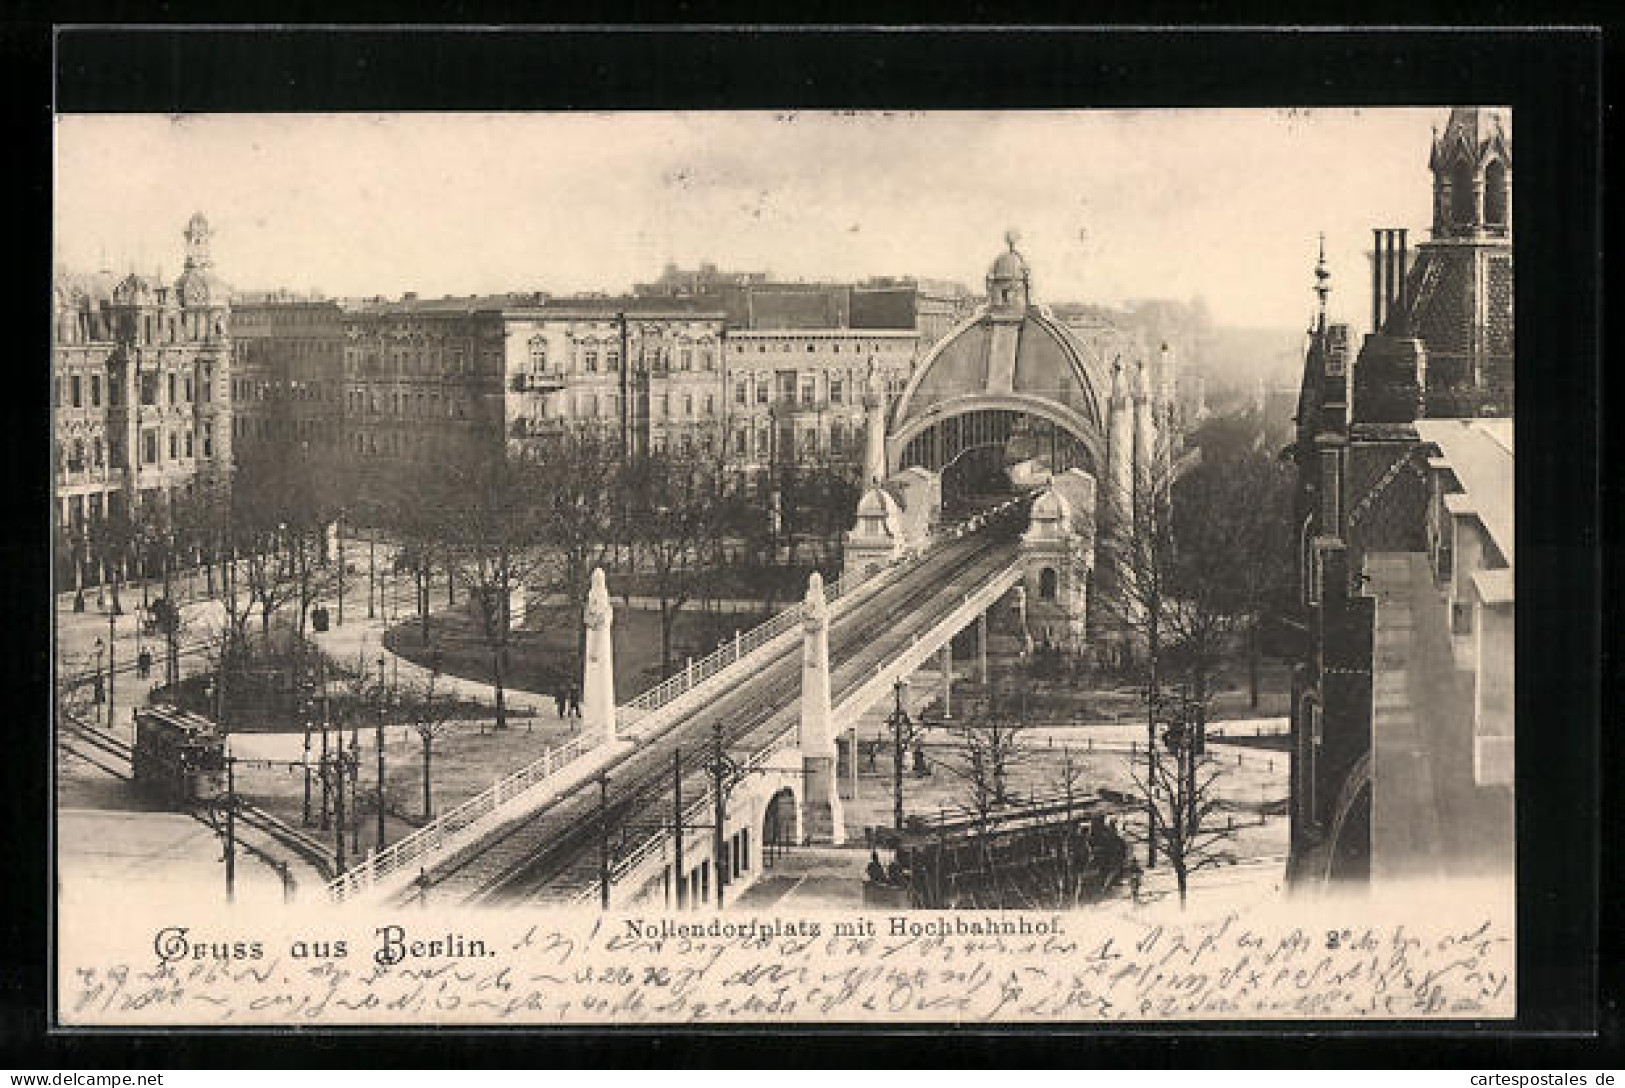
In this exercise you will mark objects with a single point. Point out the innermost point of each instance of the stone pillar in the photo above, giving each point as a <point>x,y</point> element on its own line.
<point>1145,431</point>
<point>984,674</point>
<point>821,816</point>
<point>1120,455</point>
<point>1020,595</point>
<point>598,671</point>
<point>947,666</point>
<point>817,736</point>
<point>874,406</point>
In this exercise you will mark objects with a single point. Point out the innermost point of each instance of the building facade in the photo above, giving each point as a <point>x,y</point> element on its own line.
<point>287,369</point>
<point>141,398</point>
<point>795,396</point>
<point>1383,665</point>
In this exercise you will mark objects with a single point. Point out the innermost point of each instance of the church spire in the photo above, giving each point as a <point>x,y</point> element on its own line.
<point>1322,285</point>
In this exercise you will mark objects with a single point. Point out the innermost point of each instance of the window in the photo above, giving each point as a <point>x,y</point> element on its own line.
<point>741,394</point>
<point>538,354</point>
<point>1046,584</point>
<point>809,390</point>
<point>78,393</point>
<point>149,447</point>
<point>188,443</point>
<point>710,405</point>
<point>761,392</point>
<point>56,391</point>
<point>741,437</point>
<point>188,389</point>
<point>688,405</point>
<point>174,446</point>
<point>96,452</point>
<point>837,437</point>
<point>787,385</point>
<point>612,358</point>
<point>95,391</point>
<point>665,405</point>
<point>685,357</point>
<point>837,391</point>
<point>591,358</point>
<point>171,377</point>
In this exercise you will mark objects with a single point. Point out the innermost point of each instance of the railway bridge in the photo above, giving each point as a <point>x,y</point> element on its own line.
<point>771,704</point>
<point>682,793</point>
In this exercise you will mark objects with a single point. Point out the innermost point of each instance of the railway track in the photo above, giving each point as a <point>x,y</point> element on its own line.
<point>551,854</point>
<point>112,756</point>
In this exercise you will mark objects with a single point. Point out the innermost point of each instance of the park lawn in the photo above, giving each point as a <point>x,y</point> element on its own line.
<point>542,654</point>
<point>468,757</point>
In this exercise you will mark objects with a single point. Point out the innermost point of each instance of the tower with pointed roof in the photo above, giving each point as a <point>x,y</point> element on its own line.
<point>1459,292</point>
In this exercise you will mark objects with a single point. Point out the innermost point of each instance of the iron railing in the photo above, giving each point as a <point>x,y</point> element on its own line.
<point>432,836</point>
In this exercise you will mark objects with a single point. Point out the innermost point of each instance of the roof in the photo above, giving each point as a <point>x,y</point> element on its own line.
<point>1478,452</point>
<point>1036,356</point>
<point>1495,586</point>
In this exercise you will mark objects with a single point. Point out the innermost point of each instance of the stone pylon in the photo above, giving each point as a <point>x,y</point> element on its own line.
<point>822,818</point>
<point>598,670</point>
<point>874,437</point>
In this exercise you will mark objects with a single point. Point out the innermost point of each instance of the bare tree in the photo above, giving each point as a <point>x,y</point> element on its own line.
<point>578,477</point>
<point>673,523</point>
<point>430,715</point>
<point>493,527</point>
<point>1183,784</point>
<point>982,757</point>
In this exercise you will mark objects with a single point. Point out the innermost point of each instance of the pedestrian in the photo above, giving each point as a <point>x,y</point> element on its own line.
<point>876,872</point>
<point>575,701</point>
<point>558,703</point>
<point>143,663</point>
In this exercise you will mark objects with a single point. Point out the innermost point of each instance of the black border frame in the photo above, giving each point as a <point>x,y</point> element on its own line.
<point>1552,79</point>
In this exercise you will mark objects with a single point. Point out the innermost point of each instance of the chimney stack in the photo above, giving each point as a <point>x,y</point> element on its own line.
<point>1389,256</point>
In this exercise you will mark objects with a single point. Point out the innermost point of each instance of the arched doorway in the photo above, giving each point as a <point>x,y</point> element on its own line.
<point>780,829</point>
<point>1047,582</point>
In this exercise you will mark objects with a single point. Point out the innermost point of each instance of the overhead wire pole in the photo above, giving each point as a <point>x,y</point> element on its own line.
<point>110,671</point>
<point>380,753</point>
<point>720,807</point>
<point>900,722</point>
<point>231,830</point>
<point>327,792</point>
<point>677,827</point>
<point>603,842</point>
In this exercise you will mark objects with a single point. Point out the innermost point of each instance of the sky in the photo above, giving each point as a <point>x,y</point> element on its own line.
<point>1109,205</point>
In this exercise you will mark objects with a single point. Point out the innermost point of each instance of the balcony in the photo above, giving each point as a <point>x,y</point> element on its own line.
<point>536,383</point>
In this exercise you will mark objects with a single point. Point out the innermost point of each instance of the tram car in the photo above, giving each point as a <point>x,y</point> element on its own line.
<point>179,757</point>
